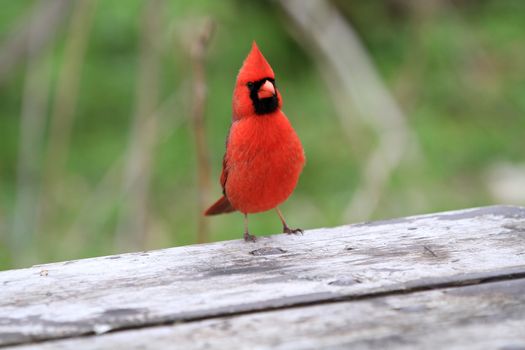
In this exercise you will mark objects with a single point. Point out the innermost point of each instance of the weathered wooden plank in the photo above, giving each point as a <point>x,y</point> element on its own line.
<point>486,316</point>
<point>194,282</point>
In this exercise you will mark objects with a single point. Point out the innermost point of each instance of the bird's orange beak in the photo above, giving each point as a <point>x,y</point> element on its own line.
<point>266,90</point>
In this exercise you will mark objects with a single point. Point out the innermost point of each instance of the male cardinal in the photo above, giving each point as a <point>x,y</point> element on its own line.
<point>264,156</point>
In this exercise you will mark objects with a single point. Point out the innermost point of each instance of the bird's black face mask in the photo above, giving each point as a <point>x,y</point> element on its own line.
<point>263,94</point>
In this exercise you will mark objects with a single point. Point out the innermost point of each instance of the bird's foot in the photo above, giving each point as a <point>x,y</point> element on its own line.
<point>249,238</point>
<point>292,231</point>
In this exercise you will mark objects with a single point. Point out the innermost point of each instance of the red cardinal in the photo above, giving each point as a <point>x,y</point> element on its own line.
<point>264,156</point>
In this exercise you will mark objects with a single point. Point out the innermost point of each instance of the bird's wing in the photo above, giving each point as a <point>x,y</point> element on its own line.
<point>224,174</point>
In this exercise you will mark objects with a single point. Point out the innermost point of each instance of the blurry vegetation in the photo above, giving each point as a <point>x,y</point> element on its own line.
<point>456,68</point>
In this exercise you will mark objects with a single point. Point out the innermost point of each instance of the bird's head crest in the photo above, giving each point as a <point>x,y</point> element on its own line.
<point>255,67</point>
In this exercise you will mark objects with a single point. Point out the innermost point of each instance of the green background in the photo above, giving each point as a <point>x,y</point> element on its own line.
<point>457,69</point>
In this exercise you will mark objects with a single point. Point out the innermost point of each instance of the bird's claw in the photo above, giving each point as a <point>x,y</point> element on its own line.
<point>249,238</point>
<point>292,231</point>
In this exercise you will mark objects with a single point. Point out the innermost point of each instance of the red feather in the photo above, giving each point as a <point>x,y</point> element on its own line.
<point>264,156</point>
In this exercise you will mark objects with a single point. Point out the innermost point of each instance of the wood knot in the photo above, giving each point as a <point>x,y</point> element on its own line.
<point>268,251</point>
<point>345,282</point>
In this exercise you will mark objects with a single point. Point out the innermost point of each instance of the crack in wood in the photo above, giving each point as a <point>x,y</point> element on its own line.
<point>430,251</point>
<point>313,299</point>
<point>325,266</point>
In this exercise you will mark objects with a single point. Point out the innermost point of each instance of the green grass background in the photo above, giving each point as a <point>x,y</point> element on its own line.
<point>458,72</point>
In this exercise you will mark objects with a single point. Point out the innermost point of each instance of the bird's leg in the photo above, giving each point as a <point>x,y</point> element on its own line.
<point>247,236</point>
<point>286,229</point>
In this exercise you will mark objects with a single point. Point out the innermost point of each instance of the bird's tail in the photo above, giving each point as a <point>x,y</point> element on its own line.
<point>222,206</point>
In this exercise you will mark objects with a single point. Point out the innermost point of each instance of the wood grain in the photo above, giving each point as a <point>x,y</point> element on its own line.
<point>197,282</point>
<point>487,316</point>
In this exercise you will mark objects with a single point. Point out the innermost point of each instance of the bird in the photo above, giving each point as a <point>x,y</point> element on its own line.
<point>264,156</point>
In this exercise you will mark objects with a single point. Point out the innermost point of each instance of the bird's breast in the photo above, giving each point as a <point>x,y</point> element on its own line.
<point>264,160</point>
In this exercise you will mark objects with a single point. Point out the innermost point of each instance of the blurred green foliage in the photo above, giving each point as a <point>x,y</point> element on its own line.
<point>457,70</point>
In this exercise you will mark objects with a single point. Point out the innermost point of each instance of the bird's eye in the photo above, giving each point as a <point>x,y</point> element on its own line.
<point>250,84</point>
